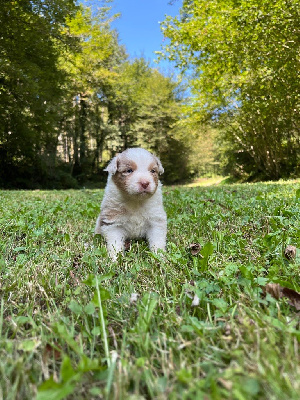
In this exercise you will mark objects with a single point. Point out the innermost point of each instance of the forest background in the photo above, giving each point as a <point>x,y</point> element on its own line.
<point>70,97</point>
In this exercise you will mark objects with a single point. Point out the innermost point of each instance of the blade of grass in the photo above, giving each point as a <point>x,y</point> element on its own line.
<point>102,326</point>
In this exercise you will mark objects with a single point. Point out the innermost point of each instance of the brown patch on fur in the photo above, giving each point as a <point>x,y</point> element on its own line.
<point>121,177</point>
<point>154,166</point>
<point>109,215</point>
<point>124,164</point>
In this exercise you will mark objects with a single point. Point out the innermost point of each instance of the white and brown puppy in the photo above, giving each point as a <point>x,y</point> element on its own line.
<point>132,206</point>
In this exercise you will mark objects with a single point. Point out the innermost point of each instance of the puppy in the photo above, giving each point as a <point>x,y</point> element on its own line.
<point>132,205</point>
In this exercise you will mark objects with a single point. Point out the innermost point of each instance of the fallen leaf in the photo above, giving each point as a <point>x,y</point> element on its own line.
<point>273,289</point>
<point>277,291</point>
<point>293,296</point>
<point>290,252</point>
<point>195,248</point>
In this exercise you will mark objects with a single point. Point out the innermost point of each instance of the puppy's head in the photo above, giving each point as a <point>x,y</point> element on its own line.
<point>135,172</point>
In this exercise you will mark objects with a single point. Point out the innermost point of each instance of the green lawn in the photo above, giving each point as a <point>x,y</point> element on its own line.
<point>71,325</point>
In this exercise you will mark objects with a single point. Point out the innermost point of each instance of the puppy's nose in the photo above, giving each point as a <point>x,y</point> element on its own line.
<point>144,184</point>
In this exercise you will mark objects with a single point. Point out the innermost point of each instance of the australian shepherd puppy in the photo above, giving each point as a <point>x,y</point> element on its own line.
<point>132,205</point>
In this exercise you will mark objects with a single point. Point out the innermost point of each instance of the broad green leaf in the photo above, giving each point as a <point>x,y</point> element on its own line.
<point>51,390</point>
<point>89,308</point>
<point>75,307</point>
<point>220,303</point>
<point>29,345</point>
<point>96,331</point>
<point>91,280</point>
<point>104,294</point>
<point>66,370</point>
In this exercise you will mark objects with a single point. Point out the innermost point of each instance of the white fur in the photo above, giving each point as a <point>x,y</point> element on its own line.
<point>138,207</point>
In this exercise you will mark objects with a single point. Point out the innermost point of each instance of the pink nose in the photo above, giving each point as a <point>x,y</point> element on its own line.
<point>144,184</point>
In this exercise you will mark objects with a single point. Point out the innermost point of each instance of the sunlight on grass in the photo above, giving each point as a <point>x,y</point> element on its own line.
<point>216,180</point>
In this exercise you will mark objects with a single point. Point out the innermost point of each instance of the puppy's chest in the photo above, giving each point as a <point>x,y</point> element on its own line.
<point>135,223</point>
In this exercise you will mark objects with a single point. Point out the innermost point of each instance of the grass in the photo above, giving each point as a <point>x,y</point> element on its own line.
<point>208,181</point>
<point>74,325</point>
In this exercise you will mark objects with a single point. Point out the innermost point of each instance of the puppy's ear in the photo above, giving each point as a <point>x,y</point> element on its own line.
<point>113,165</point>
<point>160,167</point>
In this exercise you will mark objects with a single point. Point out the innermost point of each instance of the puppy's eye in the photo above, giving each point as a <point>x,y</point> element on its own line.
<point>129,171</point>
<point>153,171</point>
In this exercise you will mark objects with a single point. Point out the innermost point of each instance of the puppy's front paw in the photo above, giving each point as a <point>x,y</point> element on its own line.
<point>159,255</point>
<point>114,254</point>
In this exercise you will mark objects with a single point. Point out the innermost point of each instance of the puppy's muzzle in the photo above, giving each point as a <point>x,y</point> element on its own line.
<point>144,184</point>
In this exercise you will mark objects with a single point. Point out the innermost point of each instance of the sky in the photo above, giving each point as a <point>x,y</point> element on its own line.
<point>139,28</point>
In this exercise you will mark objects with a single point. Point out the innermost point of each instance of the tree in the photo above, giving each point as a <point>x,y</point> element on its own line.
<point>30,82</point>
<point>143,103</point>
<point>243,58</point>
<point>89,70</point>
<point>70,98</point>
<point>145,106</point>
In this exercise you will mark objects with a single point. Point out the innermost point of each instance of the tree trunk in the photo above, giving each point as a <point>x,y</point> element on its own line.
<point>82,125</point>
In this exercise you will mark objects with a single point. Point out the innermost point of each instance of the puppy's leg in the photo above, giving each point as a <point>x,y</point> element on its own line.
<point>156,237</point>
<point>115,240</point>
<point>98,226</point>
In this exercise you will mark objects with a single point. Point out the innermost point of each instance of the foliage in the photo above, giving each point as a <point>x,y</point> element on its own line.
<point>89,70</point>
<point>175,325</point>
<point>243,58</point>
<point>146,107</point>
<point>30,83</point>
<point>71,99</point>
